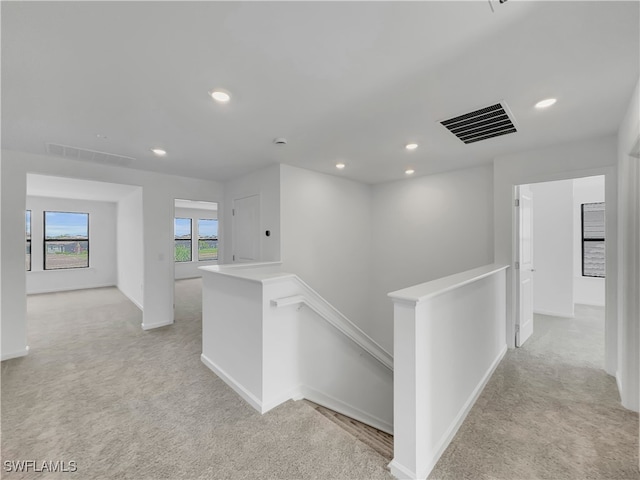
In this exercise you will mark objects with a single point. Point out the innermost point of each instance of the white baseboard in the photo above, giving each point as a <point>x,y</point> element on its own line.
<point>151,326</point>
<point>297,393</point>
<point>591,304</point>
<point>345,409</point>
<point>19,353</point>
<point>401,471</point>
<point>553,314</point>
<point>69,289</point>
<point>293,394</point>
<point>619,383</point>
<point>464,411</point>
<point>131,299</point>
<point>249,397</point>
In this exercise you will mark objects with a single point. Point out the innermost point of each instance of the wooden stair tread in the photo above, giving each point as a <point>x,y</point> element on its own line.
<point>381,442</point>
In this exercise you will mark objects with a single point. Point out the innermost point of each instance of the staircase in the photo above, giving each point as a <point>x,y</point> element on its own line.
<point>272,338</point>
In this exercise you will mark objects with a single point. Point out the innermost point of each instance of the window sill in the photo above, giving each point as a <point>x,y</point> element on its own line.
<point>83,269</point>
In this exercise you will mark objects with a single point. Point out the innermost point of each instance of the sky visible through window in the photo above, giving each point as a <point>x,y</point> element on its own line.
<point>28,220</point>
<point>63,224</point>
<point>207,228</point>
<point>182,227</point>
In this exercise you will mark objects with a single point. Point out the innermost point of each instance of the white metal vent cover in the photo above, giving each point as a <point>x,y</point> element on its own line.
<point>482,124</point>
<point>76,153</point>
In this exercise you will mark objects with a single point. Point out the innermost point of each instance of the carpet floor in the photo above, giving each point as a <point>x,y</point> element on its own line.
<point>128,404</point>
<point>124,403</point>
<point>548,412</point>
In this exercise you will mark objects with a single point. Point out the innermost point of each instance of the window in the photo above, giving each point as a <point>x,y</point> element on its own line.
<point>66,240</point>
<point>28,236</point>
<point>207,239</point>
<point>593,250</point>
<point>182,238</point>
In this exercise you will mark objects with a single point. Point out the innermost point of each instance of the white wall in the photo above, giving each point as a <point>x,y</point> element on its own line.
<point>628,299</point>
<point>587,290</point>
<point>102,247</point>
<point>190,269</point>
<point>449,338</point>
<point>159,192</point>
<point>266,183</point>
<point>425,228</point>
<point>326,230</point>
<point>271,353</point>
<point>130,243</point>
<point>553,248</point>
<point>589,157</point>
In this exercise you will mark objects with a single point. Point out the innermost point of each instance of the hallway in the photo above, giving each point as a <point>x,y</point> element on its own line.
<point>548,412</point>
<point>124,403</point>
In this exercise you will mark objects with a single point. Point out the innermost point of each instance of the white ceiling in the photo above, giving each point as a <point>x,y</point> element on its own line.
<point>348,81</point>
<point>62,187</point>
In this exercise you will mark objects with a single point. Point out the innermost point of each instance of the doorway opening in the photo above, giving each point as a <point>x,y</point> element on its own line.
<point>196,244</point>
<point>560,270</point>
<point>81,235</point>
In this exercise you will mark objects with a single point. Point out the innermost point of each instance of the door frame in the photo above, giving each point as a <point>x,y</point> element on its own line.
<point>611,232</point>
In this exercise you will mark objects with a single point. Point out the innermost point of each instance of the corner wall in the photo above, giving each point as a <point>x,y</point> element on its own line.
<point>425,228</point>
<point>130,244</point>
<point>326,227</point>
<point>628,299</point>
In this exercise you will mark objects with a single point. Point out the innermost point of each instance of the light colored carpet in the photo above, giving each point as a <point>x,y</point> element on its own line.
<point>548,412</point>
<point>124,403</point>
<point>129,404</point>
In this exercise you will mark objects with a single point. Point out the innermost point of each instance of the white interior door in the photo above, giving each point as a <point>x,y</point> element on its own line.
<point>524,266</point>
<point>246,229</point>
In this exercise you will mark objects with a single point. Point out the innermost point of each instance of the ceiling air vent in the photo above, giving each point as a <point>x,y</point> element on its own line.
<point>76,153</point>
<point>481,124</point>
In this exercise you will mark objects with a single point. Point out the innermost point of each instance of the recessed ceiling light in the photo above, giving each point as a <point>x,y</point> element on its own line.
<point>546,103</point>
<point>220,95</point>
<point>159,152</point>
<point>409,171</point>
<point>340,165</point>
<point>411,146</point>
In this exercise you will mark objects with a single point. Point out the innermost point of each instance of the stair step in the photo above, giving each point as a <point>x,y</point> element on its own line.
<point>380,441</point>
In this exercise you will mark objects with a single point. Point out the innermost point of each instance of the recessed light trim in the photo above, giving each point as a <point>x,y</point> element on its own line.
<point>547,102</point>
<point>221,96</point>
<point>409,171</point>
<point>159,152</point>
<point>411,146</point>
<point>340,165</point>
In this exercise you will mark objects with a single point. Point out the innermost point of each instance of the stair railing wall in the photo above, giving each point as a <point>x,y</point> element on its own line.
<point>449,336</point>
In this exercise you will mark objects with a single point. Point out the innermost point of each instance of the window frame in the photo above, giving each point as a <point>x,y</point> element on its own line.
<point>198,239</point>
<point>190,239</point>
<point>76,239</point>
<point>584,240</point>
